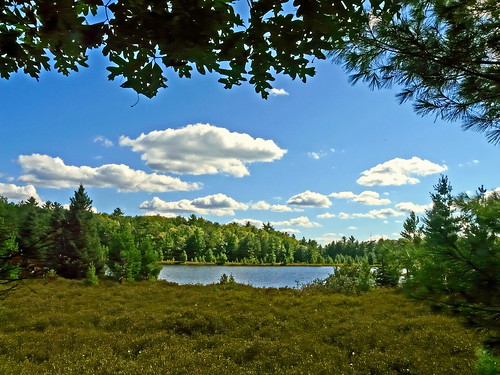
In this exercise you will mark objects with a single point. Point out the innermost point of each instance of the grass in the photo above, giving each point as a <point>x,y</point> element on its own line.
<point>163,328</point>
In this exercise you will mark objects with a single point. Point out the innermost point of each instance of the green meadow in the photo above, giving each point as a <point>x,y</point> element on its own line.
<point>66,327</point>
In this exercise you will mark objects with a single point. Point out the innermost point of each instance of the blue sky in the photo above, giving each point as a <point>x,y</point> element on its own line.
<point>321,159</point>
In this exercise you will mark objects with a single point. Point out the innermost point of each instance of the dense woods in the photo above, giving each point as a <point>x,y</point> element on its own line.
<point>69,241</point>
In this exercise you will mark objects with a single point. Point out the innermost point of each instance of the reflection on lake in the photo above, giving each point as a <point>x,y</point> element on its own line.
<point>257,276</point>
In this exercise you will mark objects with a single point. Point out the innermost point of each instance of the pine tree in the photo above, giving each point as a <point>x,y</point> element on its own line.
<point>150,268</point>
<point>83,246</point>
<point>32,233</point>
<point>459,263</point>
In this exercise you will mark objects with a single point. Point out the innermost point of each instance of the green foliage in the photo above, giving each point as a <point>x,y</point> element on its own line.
<point>227,280</point>
<point>487,363</point>
<point>9,271</point>
<point>52,274</point>
<point>81,246</point>
<point>458,264</point>
<point>221,259</point>
<point>144,42</point>
<point>91,277</point>
<point>388,271</point>
<point>351,278</point>
<point>444,55</point>
<point>142,327</point>
<point>150,268</point>
<point>124,259</point>
<point>183,258</point>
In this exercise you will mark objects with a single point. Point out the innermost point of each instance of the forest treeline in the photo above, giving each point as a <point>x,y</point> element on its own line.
<point>69,240</point>
<point>450,255</point>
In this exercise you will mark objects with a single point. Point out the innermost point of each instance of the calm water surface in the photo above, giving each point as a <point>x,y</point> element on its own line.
<point>257,276</point>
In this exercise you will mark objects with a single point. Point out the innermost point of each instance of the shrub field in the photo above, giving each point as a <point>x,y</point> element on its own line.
<point>66,327</point>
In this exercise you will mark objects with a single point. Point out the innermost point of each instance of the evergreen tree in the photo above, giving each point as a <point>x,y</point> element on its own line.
<point>91,277</point>
<point>459,264</point>
<point>83,245</point>
<point>441,234</point>
<point>31,233</point>
<point>411,230</point>
<point>124,259</point>
<point>444,54</point>
<point>9,271</point>
<point>150,268</point>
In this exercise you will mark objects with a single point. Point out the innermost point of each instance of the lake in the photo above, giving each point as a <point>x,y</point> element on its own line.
<point>257,276</point>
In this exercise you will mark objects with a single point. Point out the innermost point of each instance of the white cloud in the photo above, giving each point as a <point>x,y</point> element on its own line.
<point>326,215</point>
<point>352,228</point>
<point>368,197</point>
<point>327,238</point>
<point>18,193</point>
<point>376,237</point>
<point>469,163</point>
<point>277,92</point>
<point>244,222</point>
<point>202,149</point>
<point>314,155</point>
<point>47,171</point>
<point>407,207</point>
<point>319,154</point>
<point>373,214</point>
<point>104,141</point>
<point>217,204</point>
<point>310,199</point>
<point>163,214</point>
<point>399,172</point>
<point>344,216</point>
<point>491,192</point>
<point>263,205</point>
<point>289,230</point>
<point>301,221</point>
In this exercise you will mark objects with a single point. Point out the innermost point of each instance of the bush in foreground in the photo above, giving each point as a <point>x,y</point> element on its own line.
<point>158,327</point>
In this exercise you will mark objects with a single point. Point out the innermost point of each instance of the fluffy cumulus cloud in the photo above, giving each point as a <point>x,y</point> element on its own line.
<point>326,215</point>
<point>217,205</point>
<point>47,171</point>
<point>301,221</point>
<point>202,149</point>
<point>399,172</point>
<point>264,206</point>
<point>310,199</point>
<point>407,207</point>
<point>328,238</point>
<point>18,193</point>
<point>368,197</point>
<point>373,214</point>
<point>278,92</point>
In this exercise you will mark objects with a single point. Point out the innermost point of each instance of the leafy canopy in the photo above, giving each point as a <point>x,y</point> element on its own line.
<point>144,39</point>
<point>445,54</point>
